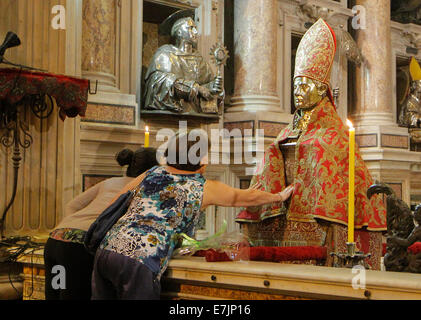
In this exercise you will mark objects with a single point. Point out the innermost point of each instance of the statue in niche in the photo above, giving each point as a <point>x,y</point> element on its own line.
<point>178,78</point>
<point>312,154</point>
<point>410,115</point>
<point>402,233</point>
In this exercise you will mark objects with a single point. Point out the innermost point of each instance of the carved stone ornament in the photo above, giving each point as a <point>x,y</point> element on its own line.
<point>311,12</point>
<point>411,39</point>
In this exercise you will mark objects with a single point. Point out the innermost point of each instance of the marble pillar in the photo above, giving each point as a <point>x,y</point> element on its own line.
<point>255,45</point>
<point>374,103</point>
<point>384,145</point>
<point>99,43</point>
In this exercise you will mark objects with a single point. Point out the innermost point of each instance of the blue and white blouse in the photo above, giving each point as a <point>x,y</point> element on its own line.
<point>166,204</point>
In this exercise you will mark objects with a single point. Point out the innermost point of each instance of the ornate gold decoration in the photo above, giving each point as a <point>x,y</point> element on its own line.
<point>316,52</point>
<point>415,69</point>
<point>301,119</point>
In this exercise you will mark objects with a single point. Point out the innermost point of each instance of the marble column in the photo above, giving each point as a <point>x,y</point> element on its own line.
<point>374,89</point>
<point>384,145</point>
<point>99,42</point>
<point>255,41</point>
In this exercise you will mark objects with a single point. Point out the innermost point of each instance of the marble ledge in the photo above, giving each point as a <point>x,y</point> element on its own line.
<point>406,28</point>
<point>391,154</point>
<point>287,279</point>
<point>295,280</point>
<point>94,132</point>
<point>102,97</point>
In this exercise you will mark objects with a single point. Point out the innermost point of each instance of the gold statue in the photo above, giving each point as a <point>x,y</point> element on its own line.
<point>410,115</point>
<point>312,154</point>
<point>307,94</point>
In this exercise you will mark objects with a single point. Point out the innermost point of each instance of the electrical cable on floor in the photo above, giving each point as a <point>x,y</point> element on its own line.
<point>15,247</point>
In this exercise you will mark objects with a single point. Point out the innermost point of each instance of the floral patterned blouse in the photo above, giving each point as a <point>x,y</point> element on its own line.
<point>165,205</point>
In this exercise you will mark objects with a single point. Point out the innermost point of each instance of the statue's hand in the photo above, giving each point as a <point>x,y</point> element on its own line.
<point>392,239</point>
<point>217,86</point>
<point>205,93</point>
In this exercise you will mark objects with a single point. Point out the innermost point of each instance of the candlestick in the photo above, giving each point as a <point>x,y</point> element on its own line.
<point>146,137</point>
<point>351,182</point>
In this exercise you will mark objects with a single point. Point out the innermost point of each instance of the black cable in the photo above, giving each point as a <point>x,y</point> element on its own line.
<point>20,294</point>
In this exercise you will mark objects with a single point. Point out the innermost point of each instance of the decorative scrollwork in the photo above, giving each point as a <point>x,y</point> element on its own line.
<point>13,129</point>
<point>40,106</point>
<point>24,138</point>
<point>7,139</point>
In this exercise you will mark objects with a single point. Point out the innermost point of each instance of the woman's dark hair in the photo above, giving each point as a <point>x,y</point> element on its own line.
<point>186,150</point>
<point>138,161</point>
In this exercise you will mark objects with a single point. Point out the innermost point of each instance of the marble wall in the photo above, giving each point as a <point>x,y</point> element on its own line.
<point>113,40</point>
<point>49,172</point>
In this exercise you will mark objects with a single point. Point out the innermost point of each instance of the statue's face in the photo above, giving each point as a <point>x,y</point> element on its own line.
<point>188,31</point>
<point>307,93</point>
<point>417,88</point>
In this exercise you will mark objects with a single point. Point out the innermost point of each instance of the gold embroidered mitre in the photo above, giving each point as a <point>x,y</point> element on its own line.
<point>316,52</point>
<point>415,70</point>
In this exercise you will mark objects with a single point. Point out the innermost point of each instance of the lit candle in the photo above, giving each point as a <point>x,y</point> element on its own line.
<point>146,137</point>
<point>351,182</point>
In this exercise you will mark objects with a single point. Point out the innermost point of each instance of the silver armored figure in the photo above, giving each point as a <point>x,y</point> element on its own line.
<point>178,78</point>
<point>410,115</point>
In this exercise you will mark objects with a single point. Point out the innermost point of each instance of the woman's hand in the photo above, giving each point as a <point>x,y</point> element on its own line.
<point>257,186</point>
<point>286,193</point>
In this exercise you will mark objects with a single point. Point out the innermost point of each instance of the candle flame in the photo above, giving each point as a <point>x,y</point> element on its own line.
<point>349,124</point>
<point>147,129</point>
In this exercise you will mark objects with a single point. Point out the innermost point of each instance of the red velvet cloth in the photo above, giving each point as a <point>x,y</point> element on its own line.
<point>277,254</point>
<point>216,256</point>
<point>271,254</point>
<point>414,249</point>
<point>71,94</point>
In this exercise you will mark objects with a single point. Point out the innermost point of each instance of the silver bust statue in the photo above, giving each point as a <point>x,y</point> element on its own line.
<point>178,78</point>
<point>410,115</point>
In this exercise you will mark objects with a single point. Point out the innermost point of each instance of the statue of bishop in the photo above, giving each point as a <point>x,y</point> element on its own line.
<point>312,153</point>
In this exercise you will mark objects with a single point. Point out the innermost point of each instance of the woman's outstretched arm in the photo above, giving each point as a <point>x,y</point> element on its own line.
<point>220,194</point>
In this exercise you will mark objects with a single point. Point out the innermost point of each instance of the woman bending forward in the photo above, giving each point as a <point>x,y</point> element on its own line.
<point>169,200</point>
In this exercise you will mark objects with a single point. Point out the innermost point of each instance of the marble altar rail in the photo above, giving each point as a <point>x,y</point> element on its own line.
<point>194,278</point>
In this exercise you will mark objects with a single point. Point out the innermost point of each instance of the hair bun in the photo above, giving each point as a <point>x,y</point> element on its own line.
<point>125,157</point>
